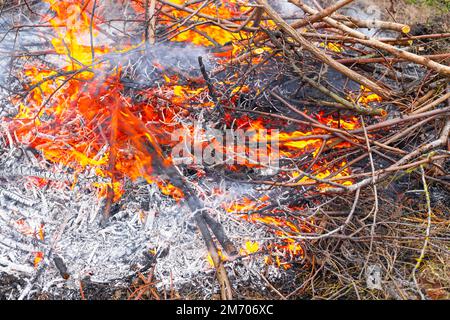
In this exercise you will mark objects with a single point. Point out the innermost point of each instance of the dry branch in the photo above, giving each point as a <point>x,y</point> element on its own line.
<point>320,55</point>
<point>370,42</point>
<point>372,24</point>
<point>382,174</point>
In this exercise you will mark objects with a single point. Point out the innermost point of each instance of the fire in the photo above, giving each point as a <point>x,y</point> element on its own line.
<point>247,205</point>
<point>204,34</point>
<point>250,247</point>
<point>331,46</point>
<point>31,229</point>
<point>293,143</point>
<point>366,97</point>
<point>68,43</point>
<point>70,115</point>
<point>80,115</point>
<point>288,248</point>
<point>210,260</point>
<point>34,230</point>
<point>38,257</point>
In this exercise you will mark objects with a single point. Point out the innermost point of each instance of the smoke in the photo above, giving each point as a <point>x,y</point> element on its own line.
<point>13,42</point>
<point>285,8</point>
<point>364,10</point>
<point>144,67</point>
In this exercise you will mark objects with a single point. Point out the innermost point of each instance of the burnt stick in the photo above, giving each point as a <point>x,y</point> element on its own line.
<point>210,86</point>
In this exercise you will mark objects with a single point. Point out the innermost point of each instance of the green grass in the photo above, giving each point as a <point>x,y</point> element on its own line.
<point>443,5</point>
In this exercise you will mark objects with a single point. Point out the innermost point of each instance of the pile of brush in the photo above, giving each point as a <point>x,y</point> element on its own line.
<point>354,114</point>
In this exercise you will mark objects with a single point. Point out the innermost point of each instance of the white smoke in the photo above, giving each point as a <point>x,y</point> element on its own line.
<point>364,10</point>
<point>285,8</point>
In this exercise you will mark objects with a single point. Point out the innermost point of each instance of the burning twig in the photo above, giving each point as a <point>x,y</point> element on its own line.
<point>209,84</point>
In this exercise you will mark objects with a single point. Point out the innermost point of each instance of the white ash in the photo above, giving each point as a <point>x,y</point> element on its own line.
<point>113,254</point>
<point>286,8</point>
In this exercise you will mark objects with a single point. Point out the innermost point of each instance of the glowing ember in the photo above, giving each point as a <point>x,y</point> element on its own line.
<point>367,96</point>
<point>334,47</point>
<point>38,257</point>
<point>288,248</point>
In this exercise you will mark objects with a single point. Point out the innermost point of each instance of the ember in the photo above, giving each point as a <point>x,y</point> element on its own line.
<point>124,137</point>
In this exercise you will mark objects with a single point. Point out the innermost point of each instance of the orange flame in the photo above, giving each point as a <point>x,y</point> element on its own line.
<point>80,115</point>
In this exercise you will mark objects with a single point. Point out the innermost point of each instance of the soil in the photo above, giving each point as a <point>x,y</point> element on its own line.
<point>9,285</point>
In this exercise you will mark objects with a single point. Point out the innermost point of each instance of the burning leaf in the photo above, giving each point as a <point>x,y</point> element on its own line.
<point>249,248</point>
<point>335,47</point>
<point>38,257</point>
